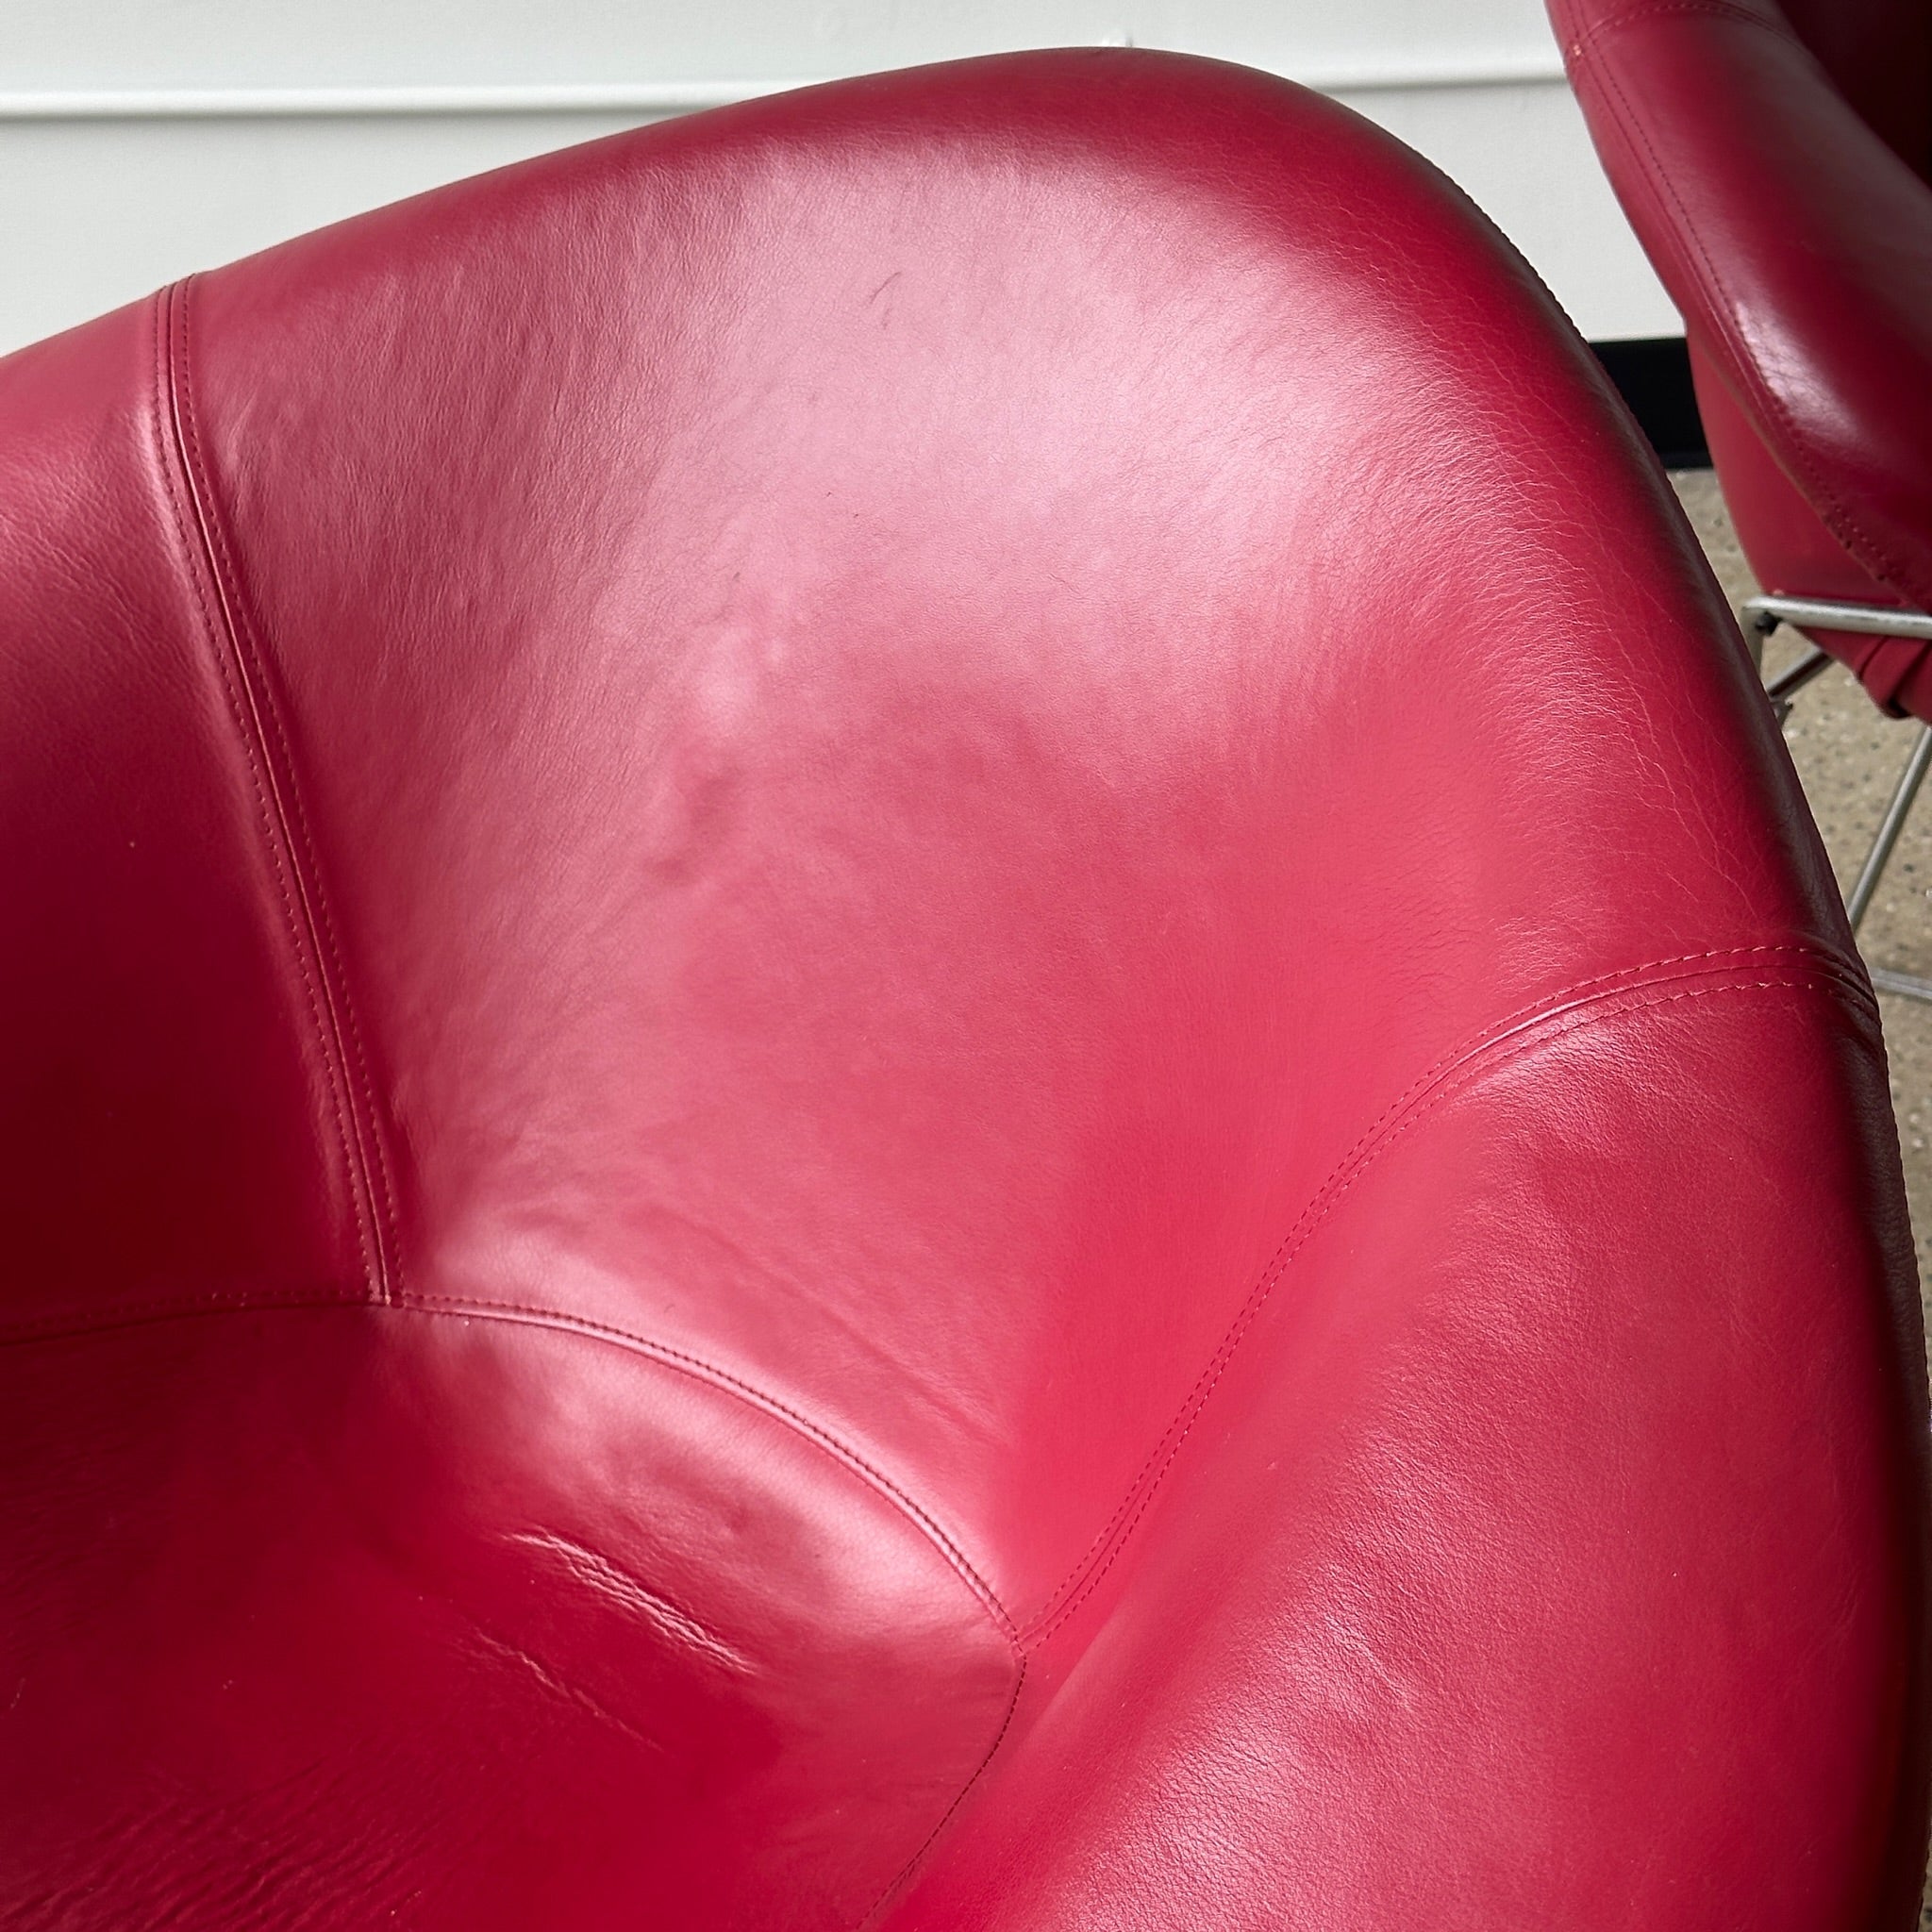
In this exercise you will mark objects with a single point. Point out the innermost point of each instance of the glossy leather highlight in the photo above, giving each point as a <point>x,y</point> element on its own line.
<point>1773,160</point>
<point>914,1021</point>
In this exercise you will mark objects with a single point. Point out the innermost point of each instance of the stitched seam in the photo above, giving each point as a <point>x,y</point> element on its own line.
<point>198,557</point>
<point>1415,1105</point>
<point>73,1326</point>
<point>342,1042</point>
<point>932,1837</point>
<point>66,1328</point>
<point>1600,29</point>
<point>1310,1220</point>
<point>1475,1044</point>
<point>1794,453</point>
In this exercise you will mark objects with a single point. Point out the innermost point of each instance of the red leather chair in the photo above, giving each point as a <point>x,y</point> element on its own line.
<point>1775,158</point>
<point>826,1104</point>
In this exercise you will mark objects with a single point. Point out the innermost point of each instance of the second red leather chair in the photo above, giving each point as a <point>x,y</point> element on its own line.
<point>1774,158</point>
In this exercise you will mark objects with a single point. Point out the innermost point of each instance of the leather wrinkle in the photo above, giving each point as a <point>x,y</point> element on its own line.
<point>197,559</point>
<point>558,1687</point>
<point>341,1037</point>
<point>1791,449</point>
<point>47,1329</point>
<point>609,1581</point>
<point>1500,1045</point>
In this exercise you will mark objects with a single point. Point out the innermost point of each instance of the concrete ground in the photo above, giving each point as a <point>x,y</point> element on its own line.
<point>1849,756</point>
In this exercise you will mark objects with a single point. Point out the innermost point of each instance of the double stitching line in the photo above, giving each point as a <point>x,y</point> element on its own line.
<point>1658,10</point>
<point>257,721</point>
<point>1634,989</point>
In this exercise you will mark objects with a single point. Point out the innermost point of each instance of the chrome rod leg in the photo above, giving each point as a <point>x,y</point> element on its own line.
<point>1788,684</point>
<point>1893,822</point>
<point>1910,984</point>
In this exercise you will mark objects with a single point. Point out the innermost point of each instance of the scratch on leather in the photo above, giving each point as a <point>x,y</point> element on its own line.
<point>603,1578</point>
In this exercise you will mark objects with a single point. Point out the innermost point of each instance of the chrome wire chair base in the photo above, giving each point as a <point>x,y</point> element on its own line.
<point>1814,613</point>
<point>1788,684</point>
<point>1764,615</point>
<point>1910,984</point>
<point>1898,807</point>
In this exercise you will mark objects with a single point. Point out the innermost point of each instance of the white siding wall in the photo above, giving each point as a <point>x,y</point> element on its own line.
<point>139,138</point>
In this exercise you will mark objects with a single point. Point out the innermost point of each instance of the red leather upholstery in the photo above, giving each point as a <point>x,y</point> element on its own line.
<point>911,1018</point>
<point>1773,161</point>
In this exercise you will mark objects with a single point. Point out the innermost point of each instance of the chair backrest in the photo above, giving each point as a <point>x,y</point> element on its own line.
<point>866,956</point>
<point>1773,161</point>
